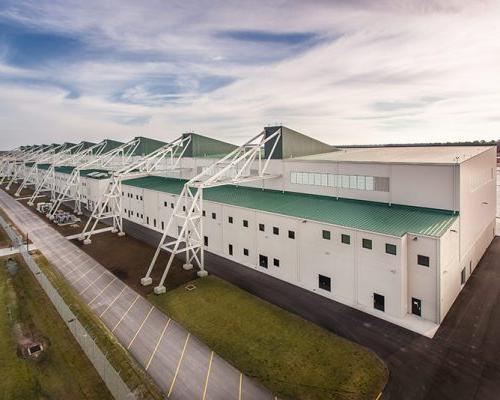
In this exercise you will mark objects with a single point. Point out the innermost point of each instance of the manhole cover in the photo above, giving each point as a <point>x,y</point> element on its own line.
<point>190,287</point>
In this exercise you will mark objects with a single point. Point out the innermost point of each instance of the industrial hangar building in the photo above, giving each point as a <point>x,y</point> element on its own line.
<point>392,231</point>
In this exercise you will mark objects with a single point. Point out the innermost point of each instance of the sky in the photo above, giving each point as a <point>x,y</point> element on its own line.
<point>342,71</point>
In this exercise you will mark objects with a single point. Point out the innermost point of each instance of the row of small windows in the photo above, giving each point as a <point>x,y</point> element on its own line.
<point>366,243</point>
<point>131,196</point>
<point>358,182</point>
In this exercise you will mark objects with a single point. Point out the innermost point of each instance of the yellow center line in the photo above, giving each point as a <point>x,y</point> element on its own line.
<point>113,302</point>
<point>208,375</point>
<point>83,276</point>
<point>91,283</point>
<point>140,327</point>
<point>241,384</point>
<point>102,291</point>
<point>157,344</point>
<point>126,312</point>
<point>178,365</point>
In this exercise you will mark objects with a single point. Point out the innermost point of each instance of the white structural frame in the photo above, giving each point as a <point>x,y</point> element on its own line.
<point>123,153</point>
<point>44,157</point>
<point>74,156</point>
<point>110,202</point>
<point>9,159</point>
<point>232,169</point>
<point>18,163</point>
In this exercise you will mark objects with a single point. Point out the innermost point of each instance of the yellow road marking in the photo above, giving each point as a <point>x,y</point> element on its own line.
<point>178,365</point>
<point>102,291</point>
<point>140,327</point>
<point>208,375</point>
<point>113,302</point>
<point>83,276</point>
<point>157,344</point>
<point>124,315</point>
<point>92,283</point>
<point>241,384</point>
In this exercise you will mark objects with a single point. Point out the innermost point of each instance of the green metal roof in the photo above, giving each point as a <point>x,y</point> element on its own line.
<point>147,146</point>
<point>395,220</point>
<point>66,169</point>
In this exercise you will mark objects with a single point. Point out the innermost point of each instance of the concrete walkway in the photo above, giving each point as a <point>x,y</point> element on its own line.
<point>182,366</point>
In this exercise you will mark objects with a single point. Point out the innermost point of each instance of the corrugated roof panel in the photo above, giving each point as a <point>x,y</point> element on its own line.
<point>395,220</point>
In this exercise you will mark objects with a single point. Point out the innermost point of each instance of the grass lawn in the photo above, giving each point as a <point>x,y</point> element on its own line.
<point>64,372</point>
<point>4,239</point>
<point>291,356</point>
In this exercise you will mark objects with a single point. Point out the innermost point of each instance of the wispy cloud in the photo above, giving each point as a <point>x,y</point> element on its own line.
<point>341,71</point>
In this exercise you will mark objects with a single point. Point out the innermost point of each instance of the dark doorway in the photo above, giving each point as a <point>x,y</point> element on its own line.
<point>378,302</point>
<point>416,306</point>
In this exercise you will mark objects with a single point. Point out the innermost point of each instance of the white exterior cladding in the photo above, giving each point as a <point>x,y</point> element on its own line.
<point>356,273</point>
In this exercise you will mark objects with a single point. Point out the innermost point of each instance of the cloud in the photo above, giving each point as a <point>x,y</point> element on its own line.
<point>344,72</point>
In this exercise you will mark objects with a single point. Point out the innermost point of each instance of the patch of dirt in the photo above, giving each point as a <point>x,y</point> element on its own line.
<point>129,258</point>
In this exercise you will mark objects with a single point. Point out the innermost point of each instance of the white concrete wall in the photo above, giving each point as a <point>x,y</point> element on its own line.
<point>356,273</point>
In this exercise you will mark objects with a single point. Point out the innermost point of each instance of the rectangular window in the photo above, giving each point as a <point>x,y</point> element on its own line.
<point>299,178</point>
<point>390,249</point>
<point>262,261</point>
<point>361,183</point>
<point>172,205</point>
<point>326,234</point>
<point>346,239</point>
<point>183,208</point>
<point>147,220</point>
<point>205,240</point>
<point>345,181</point>
<point>311,178</point>
<point>230,220</point>
<point>353,182</point>
<point>367,244</point>
<point>324,179</point>
<point>369,183</point>
<point>331,180</point>
<point>245,223</point>
<point>462,277</point>
<point>276,262</point>
<point>245,252</point>
<point>230,249</point>
<point>317,179</point>
<point>154,222</point>
<point>378,302</point>
<point>293,177</point>
<point>203,213</point>
<point>291,235</point>
<point>262,228</point>
<point>214,216</point>
<point>276,230</point>
<point>141,198</point>
<point>423,260</point>
<point>325,283</point>
<point>162,225</point>
<point>137,197</point>
<point>165,204</point>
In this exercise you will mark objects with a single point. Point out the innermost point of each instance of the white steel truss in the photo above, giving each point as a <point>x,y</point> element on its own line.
<point>15,160</point>
<point>72,187</point>
<point>75,155</point>
<point>41,176</point>
<point>110,203</point>
<point>233,169</point>
<point>29,173</point>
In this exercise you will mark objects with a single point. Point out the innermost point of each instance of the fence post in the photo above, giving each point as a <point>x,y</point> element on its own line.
<point>118,389</point>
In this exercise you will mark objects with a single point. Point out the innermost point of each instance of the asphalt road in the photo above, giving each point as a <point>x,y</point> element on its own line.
<point>182,366</point>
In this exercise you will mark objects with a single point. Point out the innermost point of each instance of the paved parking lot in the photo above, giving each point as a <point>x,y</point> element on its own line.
<point>179,363</point>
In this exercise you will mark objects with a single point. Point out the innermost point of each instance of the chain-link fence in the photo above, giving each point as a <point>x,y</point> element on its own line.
<point>109,375</point>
